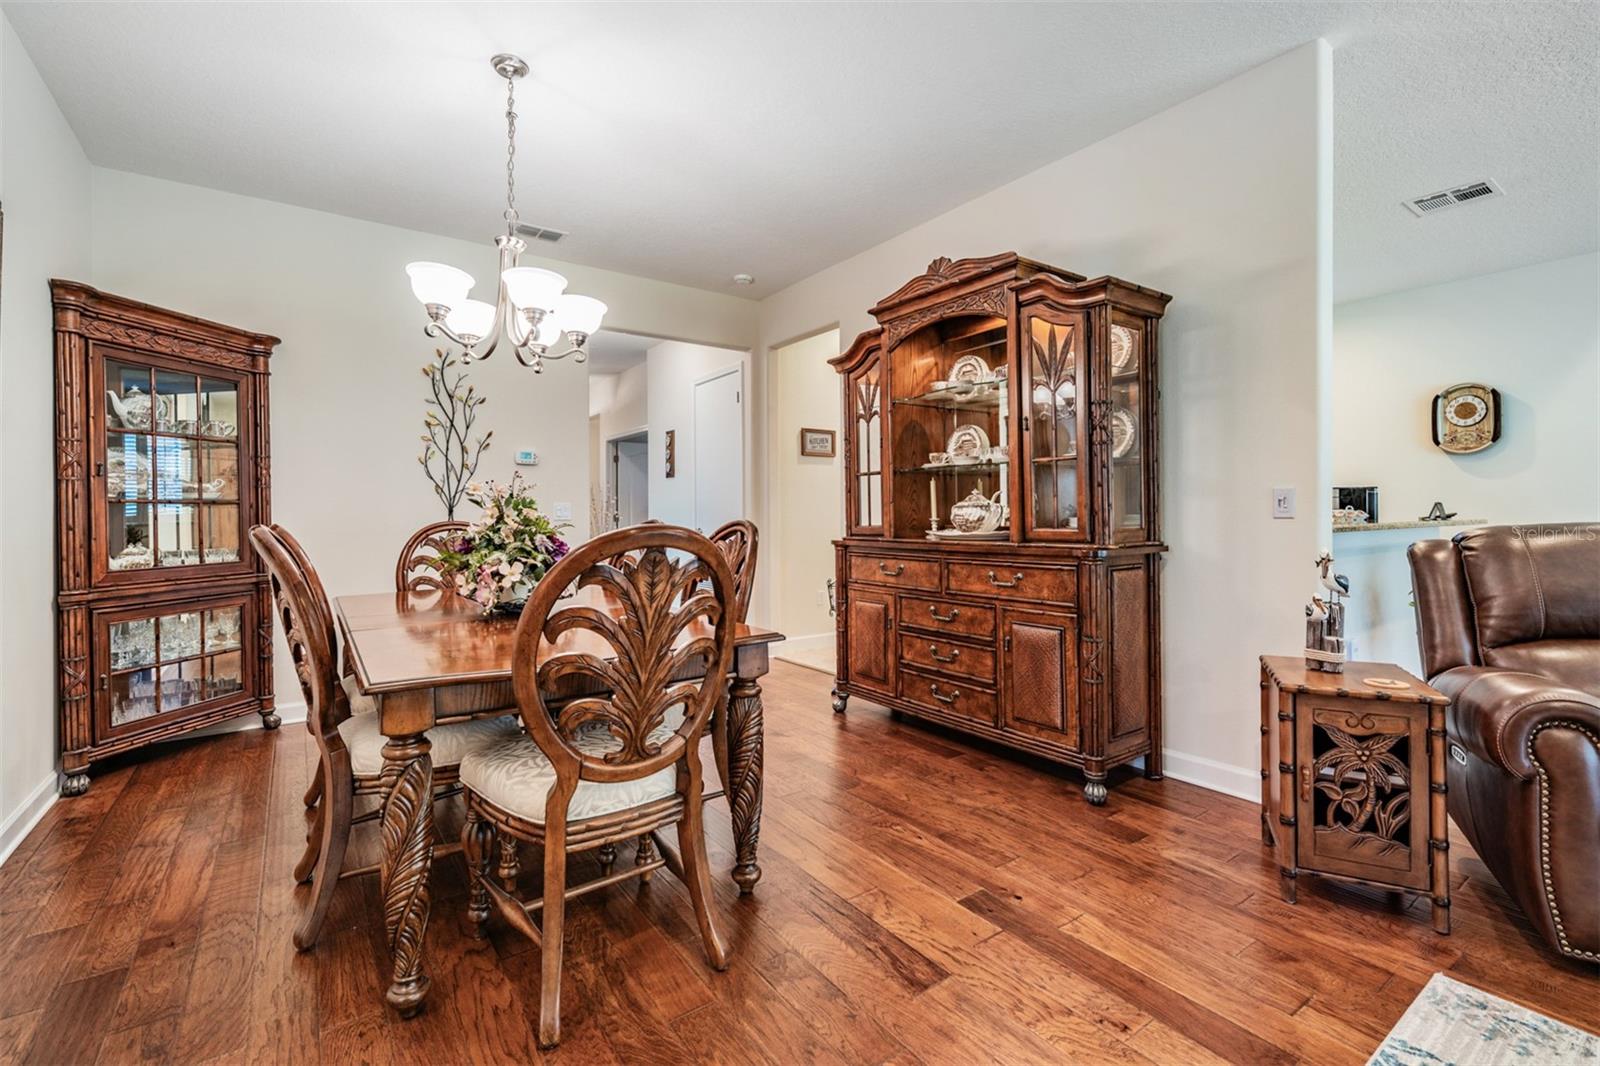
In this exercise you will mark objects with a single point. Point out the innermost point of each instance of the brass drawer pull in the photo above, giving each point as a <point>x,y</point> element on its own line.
<point>997,583</point>
<point>955,694</point>
<point>886,572</point>
<point>1305,783</point>
<point>933,650</point>
<point>937,617</point>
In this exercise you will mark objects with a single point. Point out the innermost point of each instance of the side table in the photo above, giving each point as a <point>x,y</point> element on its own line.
<point>1353,778</point>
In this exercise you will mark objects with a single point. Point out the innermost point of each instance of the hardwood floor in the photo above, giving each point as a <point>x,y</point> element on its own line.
<point>149,921</point>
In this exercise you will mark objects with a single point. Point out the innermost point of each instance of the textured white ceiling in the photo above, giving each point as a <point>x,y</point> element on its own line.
<point>611,352</point>
<point>689,142</point>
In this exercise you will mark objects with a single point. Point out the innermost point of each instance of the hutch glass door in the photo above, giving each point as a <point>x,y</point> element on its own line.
<point>865,394</point>
<point>170,461</point>
<point>1125,432</point>
<point>169,661</point>
<point>1054,360</point>
<point>952,430</point>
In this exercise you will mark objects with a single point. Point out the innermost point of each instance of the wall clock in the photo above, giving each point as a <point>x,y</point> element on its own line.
<point>1466,418</point>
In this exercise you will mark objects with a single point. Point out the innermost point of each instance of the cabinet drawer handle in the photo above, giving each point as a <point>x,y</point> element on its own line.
<point>933,650</point>
<point>1016,579</point>
<point>896,572</point>
<point>955,694</point>
<point>1305,783</point>
<point>937,617</point>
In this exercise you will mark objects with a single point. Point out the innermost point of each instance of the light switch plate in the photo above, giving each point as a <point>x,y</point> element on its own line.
<point>563,511</point>
<point>527,457</point>
<point>1283,503</point>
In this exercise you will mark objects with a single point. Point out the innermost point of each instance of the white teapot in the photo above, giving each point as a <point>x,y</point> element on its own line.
<point>133,408</point>
<point>978,513</point>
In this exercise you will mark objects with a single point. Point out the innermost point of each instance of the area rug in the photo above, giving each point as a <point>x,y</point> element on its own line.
<point>1450,1022</point>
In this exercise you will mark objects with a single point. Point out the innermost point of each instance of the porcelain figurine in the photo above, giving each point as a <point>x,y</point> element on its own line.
<point>1325,650</point>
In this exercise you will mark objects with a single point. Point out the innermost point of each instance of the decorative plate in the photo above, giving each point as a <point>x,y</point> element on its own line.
<point>1121,348</point>
<point>1123,432</point>
<point>968,444</point>
<point>969,370</point>
<point>956,534</point>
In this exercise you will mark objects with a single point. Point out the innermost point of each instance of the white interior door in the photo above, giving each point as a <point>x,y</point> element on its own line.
<point>633,481</point>
<point>719,449</point>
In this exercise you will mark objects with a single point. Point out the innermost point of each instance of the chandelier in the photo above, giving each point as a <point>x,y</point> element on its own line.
<point>533,309</point>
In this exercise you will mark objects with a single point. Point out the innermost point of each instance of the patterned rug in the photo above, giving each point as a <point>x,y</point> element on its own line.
<point>1450,1022</point>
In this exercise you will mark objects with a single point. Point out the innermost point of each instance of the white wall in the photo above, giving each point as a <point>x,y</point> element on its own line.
<point>1532,334</point>
<point>1222,201</point>
<point>672,368</point>
<point>44,190</point>
<point>805,490</point>
<point>1529,332</point>
<point>618,404</point>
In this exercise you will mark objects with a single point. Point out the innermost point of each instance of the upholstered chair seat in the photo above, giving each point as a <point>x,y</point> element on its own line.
<point>360,702</point>
<point>452,743</point>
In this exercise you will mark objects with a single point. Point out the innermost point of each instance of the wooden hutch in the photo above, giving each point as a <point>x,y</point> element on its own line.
<point>1042,634</point>
<point>164,621</point>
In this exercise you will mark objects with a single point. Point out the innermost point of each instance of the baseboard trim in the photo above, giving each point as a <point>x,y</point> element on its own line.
<point>1209,773</point>
<point>811,642</point>
<point>287,713</point>
<point>22,820</point>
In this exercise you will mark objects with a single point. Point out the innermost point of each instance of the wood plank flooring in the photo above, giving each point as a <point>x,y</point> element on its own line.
<point>897,922</point>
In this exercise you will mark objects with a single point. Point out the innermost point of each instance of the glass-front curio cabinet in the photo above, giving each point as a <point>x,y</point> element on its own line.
<point>999,572</point>
<point>161,468</point>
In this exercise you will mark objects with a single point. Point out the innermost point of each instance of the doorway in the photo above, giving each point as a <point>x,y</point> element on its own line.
<point>718,442</point>
<point>628,478</point>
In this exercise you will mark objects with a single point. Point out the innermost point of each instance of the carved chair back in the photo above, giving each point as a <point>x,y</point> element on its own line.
<point>737,539</point>
<point>418,567</point>
<point>296,552</point>
<point>625,560</point>
<point>670,610</point>
<point>304,615</point>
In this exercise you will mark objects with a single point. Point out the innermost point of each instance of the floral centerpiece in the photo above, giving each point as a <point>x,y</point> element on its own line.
<point>500,557</point>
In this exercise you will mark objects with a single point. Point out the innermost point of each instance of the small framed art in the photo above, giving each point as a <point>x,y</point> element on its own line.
<point>817,442</point>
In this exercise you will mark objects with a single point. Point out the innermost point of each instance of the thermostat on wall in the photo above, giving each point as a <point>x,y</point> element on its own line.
<point>527,457</point>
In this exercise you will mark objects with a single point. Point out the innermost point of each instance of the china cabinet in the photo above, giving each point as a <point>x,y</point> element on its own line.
<point>998,572</point>
<point>163,620</point>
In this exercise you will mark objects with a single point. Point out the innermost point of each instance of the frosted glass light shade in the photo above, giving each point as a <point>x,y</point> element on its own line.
<point>472,320</point>
<point>436,283</point>
<point>550,329</point>
<point>533,287</point>
<point>580,314</point>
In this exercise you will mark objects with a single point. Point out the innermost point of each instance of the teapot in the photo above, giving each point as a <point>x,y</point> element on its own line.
<point>133,408</point>
<point>978,513</point>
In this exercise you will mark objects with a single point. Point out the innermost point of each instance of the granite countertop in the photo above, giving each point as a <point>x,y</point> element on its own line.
<point>1416,523</point>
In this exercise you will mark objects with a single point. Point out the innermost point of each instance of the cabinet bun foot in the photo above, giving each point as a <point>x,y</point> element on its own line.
<point>270,720</point>
<point>839,700</point>
<point>76,784</point>
<point>1095,792</point>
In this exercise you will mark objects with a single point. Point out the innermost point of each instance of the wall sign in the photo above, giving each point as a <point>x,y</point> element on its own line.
<point>817,442</point>
<point>1466,418</point>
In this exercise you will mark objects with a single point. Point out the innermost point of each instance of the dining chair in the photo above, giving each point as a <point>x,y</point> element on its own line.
<point>616,757</point>
<point>349,746</point>
<point>737,539</point>
<point>417,569</point>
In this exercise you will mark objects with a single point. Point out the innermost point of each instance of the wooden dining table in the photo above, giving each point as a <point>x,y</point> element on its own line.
<point>428,658</point>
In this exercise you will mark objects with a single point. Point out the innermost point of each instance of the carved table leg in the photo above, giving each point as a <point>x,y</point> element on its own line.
<point>407,859</point>
<point>745,744</point>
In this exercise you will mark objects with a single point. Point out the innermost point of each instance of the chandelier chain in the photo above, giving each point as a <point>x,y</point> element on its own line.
<point>510,214</point>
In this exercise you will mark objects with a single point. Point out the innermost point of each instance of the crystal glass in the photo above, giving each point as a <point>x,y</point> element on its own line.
<point>534,287</point>
<point>177,403</point>
<point>178,534</point>
<point>436,283</point>
<point>127,466</point>
<point>128,536</point>
<point>219,408</point>
<point>133,696</point>
<point>224,627</point>
<point>180,635</point>
<point>224,674</point>
<point>219,471</point>
<point>471,320</point>
<point>133,643</point>
<point>182,684</point>
<point>177,472</point>
<point>221,533</point>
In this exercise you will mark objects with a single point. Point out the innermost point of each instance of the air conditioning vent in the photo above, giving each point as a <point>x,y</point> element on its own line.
<point>1478,190</point>
<point>540,233</point>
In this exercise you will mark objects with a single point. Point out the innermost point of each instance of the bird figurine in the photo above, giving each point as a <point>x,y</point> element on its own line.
<point>1331,581</point>
<point>1317,609</point>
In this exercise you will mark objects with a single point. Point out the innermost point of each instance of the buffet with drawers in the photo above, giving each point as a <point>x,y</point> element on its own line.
<point>999,572</point>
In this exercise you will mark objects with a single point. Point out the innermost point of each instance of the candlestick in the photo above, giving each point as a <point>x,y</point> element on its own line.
<point>933,502</point>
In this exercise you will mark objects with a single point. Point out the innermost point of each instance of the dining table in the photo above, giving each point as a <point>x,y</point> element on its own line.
<point>430,657</point>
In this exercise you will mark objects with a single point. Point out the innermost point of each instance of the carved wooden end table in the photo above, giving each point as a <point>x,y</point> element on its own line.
<point>1353,778</point>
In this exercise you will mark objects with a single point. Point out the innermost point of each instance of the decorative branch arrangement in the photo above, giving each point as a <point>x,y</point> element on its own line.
<point>452,409</point>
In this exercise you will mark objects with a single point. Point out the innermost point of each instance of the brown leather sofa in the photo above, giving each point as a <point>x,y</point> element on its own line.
<point>1508,618</point>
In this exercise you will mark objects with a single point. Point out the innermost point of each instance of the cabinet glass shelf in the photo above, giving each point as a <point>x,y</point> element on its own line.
<point>958,400</point>
<point>953,468</point>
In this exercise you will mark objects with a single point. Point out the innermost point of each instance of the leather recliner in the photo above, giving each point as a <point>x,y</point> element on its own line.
<point>1508,619</point>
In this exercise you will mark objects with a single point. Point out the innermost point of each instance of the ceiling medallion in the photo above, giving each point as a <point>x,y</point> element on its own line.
<point>532,310</point>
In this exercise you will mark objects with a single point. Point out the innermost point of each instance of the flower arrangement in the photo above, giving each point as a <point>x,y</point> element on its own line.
<point>500,557</point>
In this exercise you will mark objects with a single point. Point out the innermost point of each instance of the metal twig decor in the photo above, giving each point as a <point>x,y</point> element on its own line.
<point>449,453</point>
